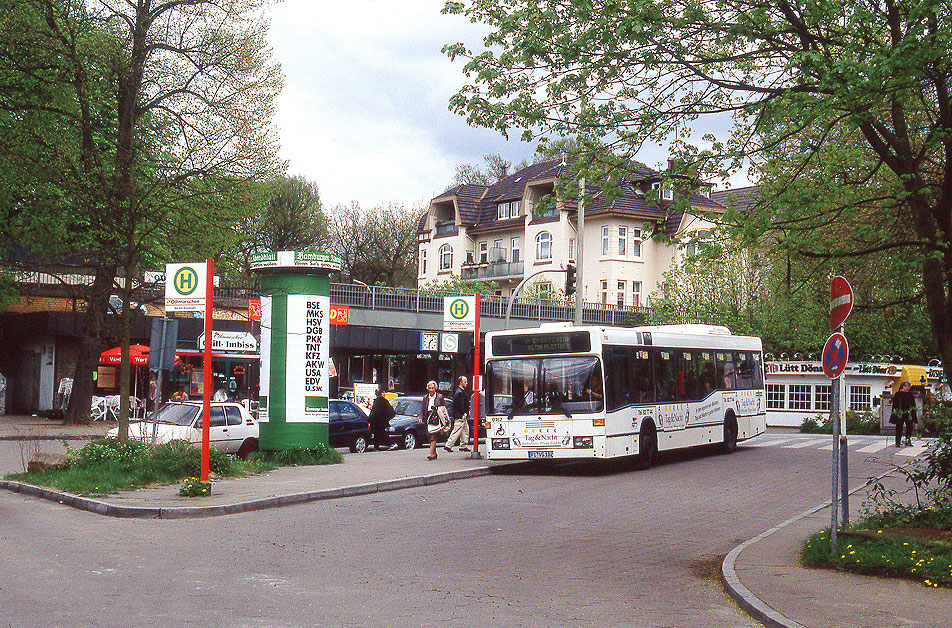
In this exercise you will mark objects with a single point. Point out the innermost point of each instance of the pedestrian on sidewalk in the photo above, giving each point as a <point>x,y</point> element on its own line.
<point>460,430</point>
<point>904,412</point>
<point>380,414</point>
<point>430,416</point>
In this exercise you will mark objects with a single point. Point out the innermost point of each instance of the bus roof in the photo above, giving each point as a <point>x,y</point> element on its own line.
<point>689,335</point>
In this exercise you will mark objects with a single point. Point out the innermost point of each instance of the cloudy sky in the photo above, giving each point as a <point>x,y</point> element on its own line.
<point>364,111</point>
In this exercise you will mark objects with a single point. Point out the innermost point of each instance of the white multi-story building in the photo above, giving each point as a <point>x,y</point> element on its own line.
<point>492,233</point>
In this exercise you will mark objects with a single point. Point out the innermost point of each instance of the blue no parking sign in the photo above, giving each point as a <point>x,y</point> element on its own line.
<point>836,352</point>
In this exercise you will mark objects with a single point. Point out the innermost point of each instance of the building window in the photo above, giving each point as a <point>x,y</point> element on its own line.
<point>605,240</point>
<point>702,237</point>
<point>620,299</point>
<point>822,393</point>
<point>423,261</point>
<point>544,245</point>
<point>498,253</point>
<point>483,252</point>
<point>571,249</point>
<point>775,399</point>
<point>799,396</point>
<point>508,210</point>
<point>446,257</point>
<point>861,398</point>
<point>515,250</point>
<point>636,243</point>
<point>604,292</point>
<point>622,240</point>
<point>636,293</point>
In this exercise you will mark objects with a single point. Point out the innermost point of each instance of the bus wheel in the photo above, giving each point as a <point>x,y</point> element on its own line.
<point>729,445</point>
<point>647,448</point>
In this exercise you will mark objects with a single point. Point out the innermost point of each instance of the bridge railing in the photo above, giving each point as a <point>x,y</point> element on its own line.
<point>525,308</point>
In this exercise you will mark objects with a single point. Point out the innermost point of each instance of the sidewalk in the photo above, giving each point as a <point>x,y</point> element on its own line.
<point>763,574</point>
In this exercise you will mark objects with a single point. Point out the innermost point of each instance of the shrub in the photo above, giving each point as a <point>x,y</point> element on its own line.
<point>856,423</point>
<point>194,487</point>
<point>298,457</point>
<point>109,451</point>
<point>929,479</point>
<point>938,417</point>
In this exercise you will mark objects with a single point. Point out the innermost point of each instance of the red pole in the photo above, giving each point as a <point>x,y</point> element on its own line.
<point>476,381</point>
<point>207,374</point>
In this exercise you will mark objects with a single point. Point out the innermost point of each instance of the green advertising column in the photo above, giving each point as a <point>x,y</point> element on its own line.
<point>295,315</point>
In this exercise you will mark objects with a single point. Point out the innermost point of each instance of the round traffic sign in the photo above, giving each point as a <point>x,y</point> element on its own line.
<point>836,352</point>
<point>841,301</point>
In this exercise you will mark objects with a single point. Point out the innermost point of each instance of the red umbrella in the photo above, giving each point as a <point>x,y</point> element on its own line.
<point>138,356</point>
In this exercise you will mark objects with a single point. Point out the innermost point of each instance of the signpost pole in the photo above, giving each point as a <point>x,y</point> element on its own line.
<point>476,375</point>
<point>207,372</point>
<point>834,507</point>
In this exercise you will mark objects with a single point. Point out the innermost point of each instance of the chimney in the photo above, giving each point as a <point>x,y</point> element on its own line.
<point>670,164</point>
<point>505,171</point>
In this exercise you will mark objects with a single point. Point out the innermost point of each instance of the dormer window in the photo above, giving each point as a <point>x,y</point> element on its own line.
<point>507,210</point>
<point>666,193</point>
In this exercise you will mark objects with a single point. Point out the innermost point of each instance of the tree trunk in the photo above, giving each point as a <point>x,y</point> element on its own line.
<point>80,400</point>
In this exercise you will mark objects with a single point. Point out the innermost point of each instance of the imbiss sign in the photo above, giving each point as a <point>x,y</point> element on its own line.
<point>229,341</point>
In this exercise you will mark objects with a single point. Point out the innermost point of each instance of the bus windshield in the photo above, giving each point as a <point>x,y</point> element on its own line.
<point>548,385</point>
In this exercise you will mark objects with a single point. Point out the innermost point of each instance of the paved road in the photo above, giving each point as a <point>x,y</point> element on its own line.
<point>577,545</point>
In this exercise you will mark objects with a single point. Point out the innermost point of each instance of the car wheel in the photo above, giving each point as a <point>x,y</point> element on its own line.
<point>410,440</point>
<point>249,445</point>
<point>360,444</point>
<point>647,448</point>
<point>729,445</point>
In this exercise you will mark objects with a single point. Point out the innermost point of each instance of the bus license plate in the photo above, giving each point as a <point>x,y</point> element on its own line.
<point>540,454</point>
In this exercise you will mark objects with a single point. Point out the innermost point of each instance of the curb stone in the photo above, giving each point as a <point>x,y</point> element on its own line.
<point>183,512</point>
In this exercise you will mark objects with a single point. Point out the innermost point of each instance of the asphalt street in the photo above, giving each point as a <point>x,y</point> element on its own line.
<point>574,545</point>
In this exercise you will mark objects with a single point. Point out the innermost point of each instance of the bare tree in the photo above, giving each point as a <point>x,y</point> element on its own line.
<point>377,246</point>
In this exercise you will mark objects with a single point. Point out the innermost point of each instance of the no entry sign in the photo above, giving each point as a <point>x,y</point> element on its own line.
<point>836,352</point>
<point>841,301</point>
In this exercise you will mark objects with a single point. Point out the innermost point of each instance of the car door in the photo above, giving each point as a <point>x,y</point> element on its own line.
<point>221,436</point>
<point>346,421</point>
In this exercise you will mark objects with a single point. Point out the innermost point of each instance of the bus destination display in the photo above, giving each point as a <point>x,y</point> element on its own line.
<point>538,344</point>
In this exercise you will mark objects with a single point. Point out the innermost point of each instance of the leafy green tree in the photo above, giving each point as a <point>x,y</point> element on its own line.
<point>145,119</point>
<point>842,108</point>
<point>456,284</point>
<point>288,217</point>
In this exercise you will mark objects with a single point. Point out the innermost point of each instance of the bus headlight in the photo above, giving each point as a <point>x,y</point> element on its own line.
<point>500,443</point>
<point>583,442</point>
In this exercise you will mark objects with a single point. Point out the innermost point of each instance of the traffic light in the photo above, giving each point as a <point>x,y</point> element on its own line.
<point>569,280</point>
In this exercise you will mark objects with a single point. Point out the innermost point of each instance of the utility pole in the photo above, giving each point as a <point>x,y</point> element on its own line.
<point>579,239</point>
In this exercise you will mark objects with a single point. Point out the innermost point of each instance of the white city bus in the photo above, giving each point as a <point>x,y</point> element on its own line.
<point>560,391</point>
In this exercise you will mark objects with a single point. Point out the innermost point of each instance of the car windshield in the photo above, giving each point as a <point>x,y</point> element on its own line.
<point>409,407</point>
<point>562,385</point>
<point>176,414</point>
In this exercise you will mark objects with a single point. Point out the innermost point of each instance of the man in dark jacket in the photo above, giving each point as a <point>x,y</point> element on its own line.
<point>460,412</point>
<point>380,414</point>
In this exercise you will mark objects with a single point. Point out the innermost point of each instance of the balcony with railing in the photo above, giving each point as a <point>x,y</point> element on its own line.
<point>494,270</point>
<point>446,227</point>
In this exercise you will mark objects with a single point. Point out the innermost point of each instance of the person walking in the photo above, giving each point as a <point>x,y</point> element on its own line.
<point>460,413</point>
<point>380,414</point>
<point>429,415</point>
<point>904,412</point>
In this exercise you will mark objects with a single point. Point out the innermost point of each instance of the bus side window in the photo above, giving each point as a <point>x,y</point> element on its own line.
<point>642,389</point>
<point>706,375</point>
<point>725,370</point>
<point>689,387</point>
<point>666,376</point>
<point>744,370</point>
<point>758,371</point>
<point>619,386</point>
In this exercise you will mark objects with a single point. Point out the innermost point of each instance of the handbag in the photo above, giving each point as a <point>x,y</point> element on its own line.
<point>444,416</point>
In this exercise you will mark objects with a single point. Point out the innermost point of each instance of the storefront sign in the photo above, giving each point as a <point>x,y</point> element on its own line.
<point>229,341</point>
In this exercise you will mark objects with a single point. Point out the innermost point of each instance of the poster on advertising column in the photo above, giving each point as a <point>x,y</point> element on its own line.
<point>307,358</point>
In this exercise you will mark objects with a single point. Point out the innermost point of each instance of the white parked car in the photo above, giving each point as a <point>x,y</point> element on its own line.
<point>232,429</point>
